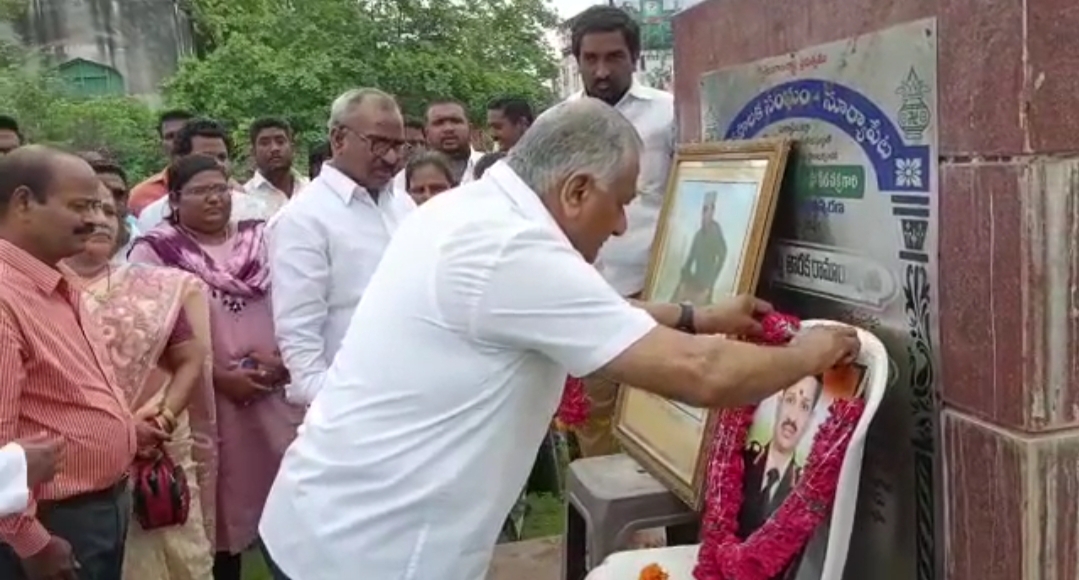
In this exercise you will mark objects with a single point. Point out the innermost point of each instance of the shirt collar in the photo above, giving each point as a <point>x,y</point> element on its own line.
<point>40,274</point>
<point>343,186</point>
<point>636,91</point>
<point>259,181</point>
<point>522,196</point>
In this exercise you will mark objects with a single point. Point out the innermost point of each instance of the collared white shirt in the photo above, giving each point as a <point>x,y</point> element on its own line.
<point>623,260</point>
<point>324,246</point>
<point>399,179</point>
<point>14,493</point>
<point>261,188</point>
<point>426,430</point>
<point>244,207</point>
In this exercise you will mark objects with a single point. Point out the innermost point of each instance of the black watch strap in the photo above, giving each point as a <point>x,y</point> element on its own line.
<point>685,319</point>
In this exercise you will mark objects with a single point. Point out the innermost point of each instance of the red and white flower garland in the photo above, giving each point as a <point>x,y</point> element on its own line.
<point>574,408</point>
<point>769,549</point>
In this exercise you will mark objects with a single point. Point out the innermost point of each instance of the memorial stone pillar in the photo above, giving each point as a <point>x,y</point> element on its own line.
<point>1004,500</point>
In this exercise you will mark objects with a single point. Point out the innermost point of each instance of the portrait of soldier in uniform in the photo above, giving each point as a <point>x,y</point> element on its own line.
<point>704,241</point>
<point>707,253</point>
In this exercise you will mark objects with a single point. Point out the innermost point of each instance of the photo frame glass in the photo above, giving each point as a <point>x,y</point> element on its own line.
<point>709,244</point>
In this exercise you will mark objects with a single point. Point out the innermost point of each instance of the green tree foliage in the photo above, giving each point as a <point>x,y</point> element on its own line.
<point>121,127</point>
<point>32,93</point>
<point>290,58</point>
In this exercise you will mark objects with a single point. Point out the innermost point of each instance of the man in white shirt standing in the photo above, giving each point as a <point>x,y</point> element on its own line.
<point>455,359</point>
<point>325,244</point>
<point>275,181</point>
<point>606,42</point>
<point>448,132</point>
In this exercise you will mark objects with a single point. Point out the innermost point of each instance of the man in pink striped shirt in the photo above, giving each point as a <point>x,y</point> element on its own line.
<point>56,379</point>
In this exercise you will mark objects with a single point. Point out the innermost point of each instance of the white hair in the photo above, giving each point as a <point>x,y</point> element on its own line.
<point>583,135</point>
<point>343,105</point>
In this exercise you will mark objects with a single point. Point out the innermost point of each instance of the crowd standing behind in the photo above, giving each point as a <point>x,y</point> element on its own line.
<point>162,346</point>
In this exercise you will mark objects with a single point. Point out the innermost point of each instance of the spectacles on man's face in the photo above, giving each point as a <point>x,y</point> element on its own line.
<point>378,145</point>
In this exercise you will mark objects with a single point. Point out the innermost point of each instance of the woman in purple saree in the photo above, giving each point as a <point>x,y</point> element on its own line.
<point>256,423</point>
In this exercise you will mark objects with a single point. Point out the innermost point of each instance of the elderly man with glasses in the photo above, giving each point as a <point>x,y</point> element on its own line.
<point>325,245</point>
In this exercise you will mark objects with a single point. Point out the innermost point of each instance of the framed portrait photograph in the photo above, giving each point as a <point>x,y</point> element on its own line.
<point>709,244</point>
<point>781,449</point>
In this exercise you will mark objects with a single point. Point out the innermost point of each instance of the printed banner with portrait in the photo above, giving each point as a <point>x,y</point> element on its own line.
<point>855,239</point>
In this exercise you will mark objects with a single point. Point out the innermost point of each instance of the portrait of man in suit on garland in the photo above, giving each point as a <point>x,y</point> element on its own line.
<point>771,466</point>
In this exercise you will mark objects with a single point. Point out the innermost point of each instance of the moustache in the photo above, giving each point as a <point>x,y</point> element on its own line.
<point>85,229</point>
<point>789,423</point>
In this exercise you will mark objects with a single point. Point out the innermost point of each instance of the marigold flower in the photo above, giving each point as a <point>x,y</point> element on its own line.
<point>653,572</point>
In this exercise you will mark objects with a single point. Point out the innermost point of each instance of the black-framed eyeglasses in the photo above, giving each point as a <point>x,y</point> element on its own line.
<point>377,144</point>
<point>206,190</point>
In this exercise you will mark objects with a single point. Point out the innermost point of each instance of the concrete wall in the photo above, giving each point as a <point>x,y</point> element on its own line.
<point>142,39</point>
<point>1008,109</point>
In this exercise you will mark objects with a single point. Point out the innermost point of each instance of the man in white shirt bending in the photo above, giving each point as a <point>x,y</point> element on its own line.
<point>326,242</point>
<point>606,41</point>
<point>455,359</point>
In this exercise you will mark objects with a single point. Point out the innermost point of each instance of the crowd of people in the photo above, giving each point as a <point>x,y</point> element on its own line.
<point>164,343</point>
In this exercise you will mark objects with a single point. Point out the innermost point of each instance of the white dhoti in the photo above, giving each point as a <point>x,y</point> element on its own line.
<point>677,561</point>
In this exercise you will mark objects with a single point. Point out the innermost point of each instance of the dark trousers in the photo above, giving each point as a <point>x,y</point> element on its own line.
<point>228,566</point>
<point>95,524</point>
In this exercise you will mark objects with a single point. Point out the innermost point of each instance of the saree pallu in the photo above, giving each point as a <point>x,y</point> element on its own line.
<point>136,307</point>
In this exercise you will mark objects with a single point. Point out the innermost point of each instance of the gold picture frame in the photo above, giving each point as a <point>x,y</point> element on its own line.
<point>699,263</point>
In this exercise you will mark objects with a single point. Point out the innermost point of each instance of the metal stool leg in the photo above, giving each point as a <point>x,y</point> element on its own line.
<point>574,545</point>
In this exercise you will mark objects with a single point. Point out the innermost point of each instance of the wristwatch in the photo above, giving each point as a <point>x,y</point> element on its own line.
<point>685,319</point>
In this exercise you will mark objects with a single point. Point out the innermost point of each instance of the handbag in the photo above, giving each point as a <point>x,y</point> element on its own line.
<point>160,492</point>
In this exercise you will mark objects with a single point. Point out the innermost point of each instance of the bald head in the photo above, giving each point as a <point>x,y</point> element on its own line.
<point>49,201</point>
<point>34,167</point>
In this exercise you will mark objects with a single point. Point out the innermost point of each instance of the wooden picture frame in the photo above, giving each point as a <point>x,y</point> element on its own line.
<point>731,189</point>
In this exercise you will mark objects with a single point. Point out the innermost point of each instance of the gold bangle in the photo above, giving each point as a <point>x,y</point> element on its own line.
<point>169,417</point>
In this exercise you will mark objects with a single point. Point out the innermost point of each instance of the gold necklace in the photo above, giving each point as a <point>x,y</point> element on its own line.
<point>99,294</point>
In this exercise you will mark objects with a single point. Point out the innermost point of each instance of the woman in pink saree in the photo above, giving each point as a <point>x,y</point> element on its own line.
<point>155,322</point>
<point>256,423</point>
